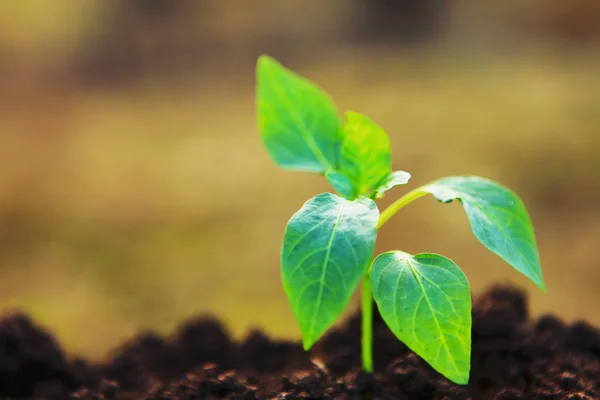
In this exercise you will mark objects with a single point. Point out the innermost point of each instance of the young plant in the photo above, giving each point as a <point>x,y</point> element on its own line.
<point>328,244</point>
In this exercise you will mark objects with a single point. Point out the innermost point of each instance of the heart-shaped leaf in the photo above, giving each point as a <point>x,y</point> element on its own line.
<point>426,301</point>
<point>298,122</point>
<point>498,219</point>
<point>327,248</point>
<point>366,154</point>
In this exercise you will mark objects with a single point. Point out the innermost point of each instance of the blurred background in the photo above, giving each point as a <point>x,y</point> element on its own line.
<point>135,191</point>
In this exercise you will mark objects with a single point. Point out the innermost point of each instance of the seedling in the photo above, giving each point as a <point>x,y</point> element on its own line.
<point>328,244</point>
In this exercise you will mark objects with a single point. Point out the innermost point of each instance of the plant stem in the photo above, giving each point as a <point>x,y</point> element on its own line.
<point>367,325</point>
<point>398,204</point>
<point>366,294</point>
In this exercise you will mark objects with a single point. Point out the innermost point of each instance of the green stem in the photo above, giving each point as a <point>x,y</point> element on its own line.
<point>398,204</point>
<point>366,295</point>
<point>367,325</point>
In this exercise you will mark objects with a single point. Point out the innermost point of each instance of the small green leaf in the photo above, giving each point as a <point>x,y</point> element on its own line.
<point>426,301</point>
<point>298,122</point>
<point>327,247</point>
<point>366,154</point>
<point>498,219</point>
<point>394,179</point>
<point>341,183</point>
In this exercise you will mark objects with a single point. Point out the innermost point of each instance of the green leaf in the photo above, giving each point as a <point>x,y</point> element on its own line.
<point>394,179</point>
<point>366,154</point>
<point>426,301</point>
<point>298,122</point>
<point>327,248</point>
<point>341,183</point>
<point>498,219</point>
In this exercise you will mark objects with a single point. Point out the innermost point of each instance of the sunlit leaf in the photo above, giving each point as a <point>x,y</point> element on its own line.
<point>366,154</point>
<point>327,248</point>
<point>498,219</point>
<point>426,302</point>
<point>298,122</point>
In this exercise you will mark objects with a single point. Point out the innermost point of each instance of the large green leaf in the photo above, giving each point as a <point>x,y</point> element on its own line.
<point>298,122</point>
<point>327,247</point>
<point>426,302</point>
<point>366,154</point>
<point>498,219</point>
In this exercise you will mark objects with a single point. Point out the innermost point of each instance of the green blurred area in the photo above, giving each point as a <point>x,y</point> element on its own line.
<point>135,192</point>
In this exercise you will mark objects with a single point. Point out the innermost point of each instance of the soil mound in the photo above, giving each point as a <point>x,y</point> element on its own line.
<point>513,358</point>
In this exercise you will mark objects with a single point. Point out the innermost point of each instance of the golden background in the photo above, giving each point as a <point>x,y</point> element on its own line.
<point>135,191</point>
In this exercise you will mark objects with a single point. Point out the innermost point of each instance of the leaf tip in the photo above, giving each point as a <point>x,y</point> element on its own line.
<point>350,115</point>
<point>541,285</point>
<point>461,379</point>
<point>307,343</point>
<point>536,277</point>
<point>265,63</point>
<point>265,59</point>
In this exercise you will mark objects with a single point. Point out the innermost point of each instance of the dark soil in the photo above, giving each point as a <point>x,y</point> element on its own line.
<point>513,358</point>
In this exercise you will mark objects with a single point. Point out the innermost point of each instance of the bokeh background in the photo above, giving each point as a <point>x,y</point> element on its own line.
<point>135,192</point>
